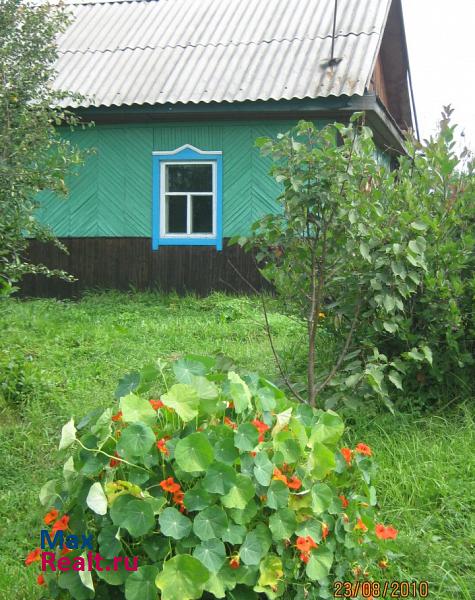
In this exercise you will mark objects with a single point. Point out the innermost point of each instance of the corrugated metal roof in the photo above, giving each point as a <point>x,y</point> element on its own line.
<point>119,52</point>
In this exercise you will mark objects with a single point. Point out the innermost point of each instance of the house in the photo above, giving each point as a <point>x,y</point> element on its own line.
<point>178,91</point>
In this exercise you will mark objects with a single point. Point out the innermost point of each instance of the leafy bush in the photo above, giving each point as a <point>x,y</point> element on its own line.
<point>222,488</point>
<point>384,256</point>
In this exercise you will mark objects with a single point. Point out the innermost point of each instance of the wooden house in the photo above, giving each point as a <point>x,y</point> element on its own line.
<point>179,90</point>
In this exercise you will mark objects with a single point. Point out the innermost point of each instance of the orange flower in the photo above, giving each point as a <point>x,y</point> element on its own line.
<point>169,485</point>
<point>230,423</point>
<point>156,404</point>
<point>344,501</point>
<point>360,526</point>
<point>385,533</point>
<point>253,454</point>
<point>325,531</point>
<point>261,428</point>
<point>383,564</point>
<point>117,416</point>
<point>279,476</point>
<point>61,524</point>
<point>161,445</point>
<point>294,483</point>
<point>40,580</point>
<point>65,550</point>
<point>231,405</point>
<point>346,455</point>
<point>305,544</point>
<point>113,462</point>
<point>51,516</point>
<point>33,556</point>
<point>178,497</point>
<point>363,449</point>
<point>234,562</point>
<point>305,557</point>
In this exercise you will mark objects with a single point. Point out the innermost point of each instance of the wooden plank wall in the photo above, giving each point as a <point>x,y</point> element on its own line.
<point>129,263</point>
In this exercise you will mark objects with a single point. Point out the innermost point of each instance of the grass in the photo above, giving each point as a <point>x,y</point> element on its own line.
<point>61,358</point>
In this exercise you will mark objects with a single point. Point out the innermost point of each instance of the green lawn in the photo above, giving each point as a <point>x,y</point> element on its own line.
<point>61,358</point>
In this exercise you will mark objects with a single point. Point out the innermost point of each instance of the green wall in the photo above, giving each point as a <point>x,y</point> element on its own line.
<point>112,193</point>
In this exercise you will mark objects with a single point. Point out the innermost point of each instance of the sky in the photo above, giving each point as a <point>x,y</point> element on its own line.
<point>441,43</point>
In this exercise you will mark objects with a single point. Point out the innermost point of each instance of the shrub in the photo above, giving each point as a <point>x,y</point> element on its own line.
<point>383,257</point>
<point>222,488</point>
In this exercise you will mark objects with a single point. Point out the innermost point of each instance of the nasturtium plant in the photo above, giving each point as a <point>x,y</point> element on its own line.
<point>217,486</point>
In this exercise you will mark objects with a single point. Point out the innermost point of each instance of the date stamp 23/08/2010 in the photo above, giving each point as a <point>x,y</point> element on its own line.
<point>387,589</point>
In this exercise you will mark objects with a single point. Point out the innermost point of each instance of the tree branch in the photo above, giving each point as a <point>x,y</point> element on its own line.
<point>269,334</point>
<point>343,353</point>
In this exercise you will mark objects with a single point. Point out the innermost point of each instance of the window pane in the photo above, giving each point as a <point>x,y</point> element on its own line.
<point>176,214</point>
<point>202,214</point>
<point>189,178</point>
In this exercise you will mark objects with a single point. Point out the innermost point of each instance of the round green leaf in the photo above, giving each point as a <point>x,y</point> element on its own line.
<point>68,435</point>
<point>283,524</point>
<point>48,493</point>
<point>118,508</point>
<point>319,564</point>
<point>109,545</point>
<point>134,408</point>
<point>219,479</point>
<point>240,493</point>
<point>140,584</point>
<point>138,517</point>
<point>212,554</point>
<point>322,461</point>
<point>288,446</point>
<point>239,392</point>
<point>277,495</point>
<point>312,528</point>
<point>96,499</point>
<point>245,515</point>
<point>210,523</point>
<point>206,390</point>
<point>246,437</point>
<point>174,524</point>
<point>113,576</point>
<point>185,370</point>
<point>322,497</point>
<point>194,453</point>
<point>135,441</point>
<point>71,581</point>
<point>255,546</point>
<point>183,399</point>
<point>233,534</point>
<point>183,578</point>
<point>225,450</point>
<point>197,498</point>
<point>328,429</point>
<point>271,571</point>
<point>263,469</point>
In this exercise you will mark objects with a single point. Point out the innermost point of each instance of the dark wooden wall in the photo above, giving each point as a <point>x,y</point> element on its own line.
<point>130,263</point>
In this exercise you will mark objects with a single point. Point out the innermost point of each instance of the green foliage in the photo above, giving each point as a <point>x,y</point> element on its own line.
<point>364,255</point>
<point>436,340</point>
<point>33,156</point>
<point>80,349</point>
<point>155,486</point>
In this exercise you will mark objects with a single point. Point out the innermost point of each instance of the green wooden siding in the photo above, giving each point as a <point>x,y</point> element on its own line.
<point>111,195</point>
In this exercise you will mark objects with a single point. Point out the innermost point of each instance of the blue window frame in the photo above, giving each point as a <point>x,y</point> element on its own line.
<point>187,198</point>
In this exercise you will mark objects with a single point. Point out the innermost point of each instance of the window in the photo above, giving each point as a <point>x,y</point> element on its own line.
<point>187,198</point>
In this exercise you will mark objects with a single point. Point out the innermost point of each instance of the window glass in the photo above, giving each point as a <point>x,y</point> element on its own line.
<point>189,178</point>
<point>201,214</point>
<point>176,210</point>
